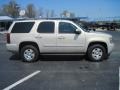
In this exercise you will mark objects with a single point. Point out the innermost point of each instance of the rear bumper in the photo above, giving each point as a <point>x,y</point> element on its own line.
<point>12,48</point>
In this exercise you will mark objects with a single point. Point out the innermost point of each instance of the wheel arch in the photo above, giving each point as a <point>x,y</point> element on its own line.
<point>28,43</point>
<point>98,42</point>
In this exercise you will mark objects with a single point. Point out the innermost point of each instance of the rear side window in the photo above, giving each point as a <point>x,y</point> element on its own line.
<point>22,27</point>
<point>46,27</point>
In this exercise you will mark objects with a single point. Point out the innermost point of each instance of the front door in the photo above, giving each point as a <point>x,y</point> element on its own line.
<point>67,40</point>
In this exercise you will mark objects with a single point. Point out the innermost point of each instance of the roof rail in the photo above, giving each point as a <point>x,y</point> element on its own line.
<point>71,19</point>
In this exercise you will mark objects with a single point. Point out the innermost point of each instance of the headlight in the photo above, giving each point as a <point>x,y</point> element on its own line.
<point>111,40</point>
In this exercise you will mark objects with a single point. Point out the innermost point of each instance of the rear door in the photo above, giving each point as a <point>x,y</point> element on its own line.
<point>46,36</point>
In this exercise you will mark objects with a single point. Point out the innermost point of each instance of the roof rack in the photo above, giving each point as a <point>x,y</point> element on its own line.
<point>71,19</point>
<point>74,18</point>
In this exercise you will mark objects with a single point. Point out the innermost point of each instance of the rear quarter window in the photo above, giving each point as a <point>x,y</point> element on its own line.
<point>22,27</point>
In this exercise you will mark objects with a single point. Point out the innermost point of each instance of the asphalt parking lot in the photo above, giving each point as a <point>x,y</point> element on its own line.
<point>60,72</point>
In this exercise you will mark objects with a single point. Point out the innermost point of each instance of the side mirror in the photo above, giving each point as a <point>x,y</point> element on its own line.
<point>77,31</point>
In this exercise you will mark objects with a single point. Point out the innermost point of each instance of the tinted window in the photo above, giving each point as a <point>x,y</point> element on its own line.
<point>46,27</point>
<point>66,28</point>
<point>22,27</point>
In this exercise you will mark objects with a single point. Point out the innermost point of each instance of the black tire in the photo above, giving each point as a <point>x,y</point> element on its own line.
<point>31,48</point>
<point>92,55</point>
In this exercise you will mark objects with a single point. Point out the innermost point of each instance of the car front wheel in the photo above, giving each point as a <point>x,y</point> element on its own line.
<point>96,52</point>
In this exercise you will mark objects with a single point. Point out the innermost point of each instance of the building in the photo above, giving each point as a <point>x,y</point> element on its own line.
<point>5,22</point>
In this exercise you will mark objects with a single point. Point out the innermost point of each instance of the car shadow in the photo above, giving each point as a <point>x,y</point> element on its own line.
<point>16,57</point>
<point>61,58</point>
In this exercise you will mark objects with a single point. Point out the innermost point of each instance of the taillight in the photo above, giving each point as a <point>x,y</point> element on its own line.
<point>8,38</point>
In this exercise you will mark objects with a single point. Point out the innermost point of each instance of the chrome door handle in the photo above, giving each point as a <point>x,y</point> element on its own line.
<point>61,37</point>
<point>38,37</point>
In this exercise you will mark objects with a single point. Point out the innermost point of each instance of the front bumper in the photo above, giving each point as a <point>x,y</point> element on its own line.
<point>110,48</point>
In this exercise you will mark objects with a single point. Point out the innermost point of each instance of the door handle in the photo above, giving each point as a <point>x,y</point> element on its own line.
<point>38,37</point>
<point>61,37</point>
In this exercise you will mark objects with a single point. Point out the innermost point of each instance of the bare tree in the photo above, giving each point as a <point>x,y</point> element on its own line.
<point>64,13</point>
<point>41,13</point>
<point>67,13</point>
<point>72,15</point>
<point>52,13</point>
<point>1,11</point>
<point>47,13</point>
<point>31,11</point>
<point>11,9</point>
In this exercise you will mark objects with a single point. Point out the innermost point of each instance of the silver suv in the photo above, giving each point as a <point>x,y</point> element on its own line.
<point>30,38</point>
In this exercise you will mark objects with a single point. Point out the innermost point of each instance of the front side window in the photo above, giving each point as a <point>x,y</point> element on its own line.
<point>22,27</point>
<point>46,27</point>
<point>65,27</point>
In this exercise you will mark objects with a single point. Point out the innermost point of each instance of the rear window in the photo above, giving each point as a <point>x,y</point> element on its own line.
<point>46,27</point>
<point>22,27</point>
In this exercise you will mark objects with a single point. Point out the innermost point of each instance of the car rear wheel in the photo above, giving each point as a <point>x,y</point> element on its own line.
<point>96,52</point>
<point>29,53</point>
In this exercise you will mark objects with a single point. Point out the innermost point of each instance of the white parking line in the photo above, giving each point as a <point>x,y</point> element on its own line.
<point>119,78</point>
<point>22,80</point>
